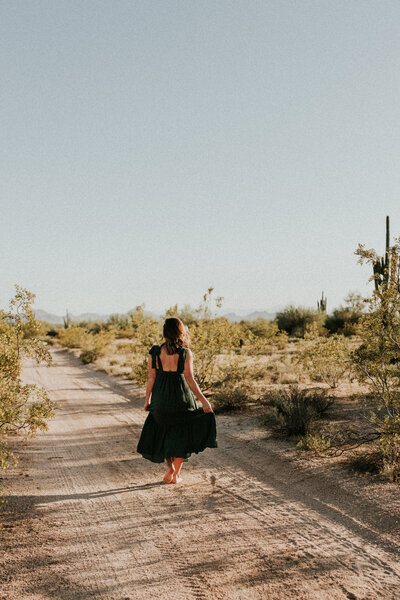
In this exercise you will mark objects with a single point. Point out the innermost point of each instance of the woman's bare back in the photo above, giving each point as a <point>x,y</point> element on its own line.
<point>169,361</point>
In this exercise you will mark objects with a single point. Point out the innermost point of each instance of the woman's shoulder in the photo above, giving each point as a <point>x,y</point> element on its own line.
<point>154,349</point>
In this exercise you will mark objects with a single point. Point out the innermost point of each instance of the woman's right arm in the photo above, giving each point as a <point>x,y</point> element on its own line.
<point>151,376</point>
<point>192,383</point>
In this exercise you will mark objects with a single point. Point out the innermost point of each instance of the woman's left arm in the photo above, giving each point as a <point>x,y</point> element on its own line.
<point>150,382</point>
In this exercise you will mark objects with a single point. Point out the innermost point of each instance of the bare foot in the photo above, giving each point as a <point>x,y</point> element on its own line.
<point>169,476</point>
<point>177,479</point>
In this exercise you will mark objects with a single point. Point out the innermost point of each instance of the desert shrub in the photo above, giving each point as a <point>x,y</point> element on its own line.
<point>256,345</point>
<point>120,325</point>
<point>72,337</point>
<point>295,320</point>
<point>344,319</point>
<point>316,442</point>
<point>389,450</point>
<point>326,359</point>
<point>260,334</point>
<point>139,370</point>
<point>147,332</point>
<point>210,337</point>
<point>235,371</point>
<point>376,359</point>
<point>260,327</point>
<point>24,408</point>
<point>295,409</point>
<point>187,314</point>
<point>229,398</point>
<point>118,322</point>
<point>382,457</point>
<point>94,345</point>
<point>271,417</point>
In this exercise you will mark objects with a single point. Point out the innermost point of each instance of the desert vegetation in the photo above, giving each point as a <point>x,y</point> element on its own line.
<point>24,408</point>
<point>328,381</point>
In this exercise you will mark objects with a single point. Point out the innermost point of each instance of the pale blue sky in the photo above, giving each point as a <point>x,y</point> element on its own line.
<point>150,149</point>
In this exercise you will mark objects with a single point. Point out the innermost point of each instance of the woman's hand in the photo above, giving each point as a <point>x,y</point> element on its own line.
<point>207,406</point>
<point>146,406</point>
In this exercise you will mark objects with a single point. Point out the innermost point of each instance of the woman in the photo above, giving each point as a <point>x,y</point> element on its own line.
<point>175,427</point>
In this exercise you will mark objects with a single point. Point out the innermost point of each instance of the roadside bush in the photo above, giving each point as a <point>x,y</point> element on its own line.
<point>344,319</point>
<point>72,337</point>
<point>295,320</point>
<point>210,337</point>
<point>376,359</point>
<point>94,345</point>
<point>139,370</point>
<point>235,371</point>
<point>262,333</point>
<point>24,408</point>
<point>271,417</point>
<point>389,449</point>
<point>326,359</point>
<point>317,442</point>
<point>229,398</point>
<point>295,409</point>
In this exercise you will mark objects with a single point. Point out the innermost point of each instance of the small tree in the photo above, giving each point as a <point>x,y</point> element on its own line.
<point>326,359</point>
<point>377,359</point>
<point>24,408</point>
<point>210,336</point>
<point>296,320</point>
<point>147,332</point>
<point>345,318</point>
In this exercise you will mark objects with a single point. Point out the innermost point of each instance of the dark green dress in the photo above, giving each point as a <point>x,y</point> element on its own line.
<point>174,427</point>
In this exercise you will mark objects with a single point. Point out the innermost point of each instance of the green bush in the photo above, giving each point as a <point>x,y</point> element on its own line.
<point>88,356</point>
<point>317,442</point>
<point>295,409</point>
<point>94,345</point>
<point>326,359</point>
<point>72,337</point>
<point>389,449</point>
<point>344,319</point>
<point>139,371</point>
<point>271,417</point>
<point>24,408</point>
<point>229,398</point>
<point>296,320</point>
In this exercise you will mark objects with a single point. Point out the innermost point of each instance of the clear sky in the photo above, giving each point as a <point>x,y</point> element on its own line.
<point>150,149</point>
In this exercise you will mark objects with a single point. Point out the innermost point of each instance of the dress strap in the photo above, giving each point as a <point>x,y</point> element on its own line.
<point>155,352</point>
<point>181,359</point>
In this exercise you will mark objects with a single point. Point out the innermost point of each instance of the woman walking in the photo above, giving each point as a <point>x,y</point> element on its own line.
<point>175,427</point>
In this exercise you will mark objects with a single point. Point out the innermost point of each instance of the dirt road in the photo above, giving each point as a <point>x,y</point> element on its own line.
<point>248,523</point>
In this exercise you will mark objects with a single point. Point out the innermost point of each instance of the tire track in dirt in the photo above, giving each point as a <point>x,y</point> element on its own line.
<point>246,525</point>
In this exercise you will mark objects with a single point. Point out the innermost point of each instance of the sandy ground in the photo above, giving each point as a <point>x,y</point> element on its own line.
<point>87,517</point>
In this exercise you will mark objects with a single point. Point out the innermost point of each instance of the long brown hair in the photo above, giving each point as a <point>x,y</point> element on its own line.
<point>175,334</point>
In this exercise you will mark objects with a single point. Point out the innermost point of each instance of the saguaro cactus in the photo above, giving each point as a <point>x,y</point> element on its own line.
<point>321,304</point>
<point>381,266</point>
<point>67,320</point>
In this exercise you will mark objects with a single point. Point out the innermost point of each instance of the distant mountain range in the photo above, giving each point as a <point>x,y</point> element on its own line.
<point>256,314</point>
<point>42,315</point>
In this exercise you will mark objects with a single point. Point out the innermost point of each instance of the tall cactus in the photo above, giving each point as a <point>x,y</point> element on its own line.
<point>67,320</point>
<point>381,266</point>
<point>321,304</point>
